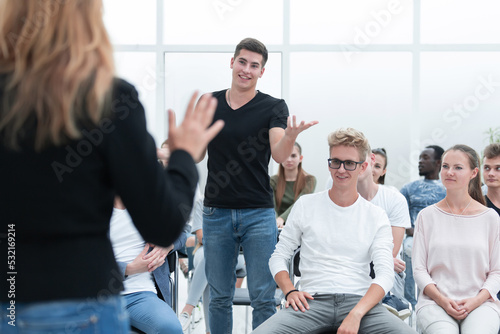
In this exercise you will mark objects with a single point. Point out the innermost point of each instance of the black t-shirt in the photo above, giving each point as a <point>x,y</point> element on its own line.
<point>238,157</point>
<point>491,205</point>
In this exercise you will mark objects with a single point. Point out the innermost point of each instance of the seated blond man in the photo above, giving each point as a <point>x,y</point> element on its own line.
<point>340,233</point>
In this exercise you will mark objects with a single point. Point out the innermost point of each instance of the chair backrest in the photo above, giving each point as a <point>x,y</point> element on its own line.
<point>173,298</point>
<point>172,258</point>
<point>174,284</point>
<point>293,266</point>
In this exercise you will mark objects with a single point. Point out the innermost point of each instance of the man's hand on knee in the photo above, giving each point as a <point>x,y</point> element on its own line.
<point>298,300</point>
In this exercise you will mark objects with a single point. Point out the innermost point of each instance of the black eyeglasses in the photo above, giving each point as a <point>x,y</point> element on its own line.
<point>348,164</point>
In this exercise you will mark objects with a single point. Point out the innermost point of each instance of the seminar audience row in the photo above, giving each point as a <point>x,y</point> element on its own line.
<point>73,138</point>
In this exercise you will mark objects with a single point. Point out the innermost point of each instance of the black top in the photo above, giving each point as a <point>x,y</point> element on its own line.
<point>59,203</point>
<point>238,157</point>
<point>491,205</point>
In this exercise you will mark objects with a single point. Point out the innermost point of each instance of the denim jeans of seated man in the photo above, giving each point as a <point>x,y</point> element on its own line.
<point>224,230</point>
<point>83,316</point>
<point>398,289</point>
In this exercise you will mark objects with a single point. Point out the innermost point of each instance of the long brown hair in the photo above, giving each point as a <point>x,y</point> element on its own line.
<point>58,66</point>
<point>474,184</point>
<point>300,182</point>
<point>382,152</point>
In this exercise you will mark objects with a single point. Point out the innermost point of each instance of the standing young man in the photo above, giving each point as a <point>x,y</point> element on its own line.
<point>339,233</point>
<point>238,206</point>
<point>419,195</point>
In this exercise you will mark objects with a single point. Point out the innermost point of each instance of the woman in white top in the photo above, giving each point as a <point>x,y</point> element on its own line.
<point>456,253</point>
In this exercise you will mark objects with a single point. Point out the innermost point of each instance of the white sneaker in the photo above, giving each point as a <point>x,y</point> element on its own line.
<point>197,314</point>
<point>403,314</point>
<point>184,319</point>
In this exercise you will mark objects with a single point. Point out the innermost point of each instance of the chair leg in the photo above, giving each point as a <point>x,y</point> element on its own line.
<point>175,294</point>
<point>246,319</point>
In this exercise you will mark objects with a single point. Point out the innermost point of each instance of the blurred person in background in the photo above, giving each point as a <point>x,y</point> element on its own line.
<point>491,175</point>
<point>289,184</point>
<point>380,167</point>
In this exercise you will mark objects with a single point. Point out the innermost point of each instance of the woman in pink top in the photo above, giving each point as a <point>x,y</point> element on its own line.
<point>456,253</point>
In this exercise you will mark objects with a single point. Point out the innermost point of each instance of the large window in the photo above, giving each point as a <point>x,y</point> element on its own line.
<point>406,73</point>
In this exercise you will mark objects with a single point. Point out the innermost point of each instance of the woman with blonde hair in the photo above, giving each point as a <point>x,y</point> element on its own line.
<point>456,253</point>
<point>71,138</point>
<point>289,184</point>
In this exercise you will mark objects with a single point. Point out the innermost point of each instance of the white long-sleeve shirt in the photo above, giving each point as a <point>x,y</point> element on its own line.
<point>337,245</point>
<point>460,254</point>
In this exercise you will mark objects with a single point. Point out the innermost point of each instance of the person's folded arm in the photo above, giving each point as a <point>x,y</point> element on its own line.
<point>159,201</point>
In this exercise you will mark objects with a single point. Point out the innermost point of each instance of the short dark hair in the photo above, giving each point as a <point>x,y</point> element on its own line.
<point>251,44</point>
<point>438,151</point>
<point>492,151</point>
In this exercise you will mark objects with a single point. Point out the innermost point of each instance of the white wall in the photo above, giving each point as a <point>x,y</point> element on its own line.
<point>406,73</point>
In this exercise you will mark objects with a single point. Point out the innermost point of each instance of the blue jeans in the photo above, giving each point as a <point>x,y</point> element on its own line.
<point>398,289</point>
<point>150,314</point>
<point>224,230</point>
<point>82,316</point>
<point>409,281</point>
<point>199,287</point>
